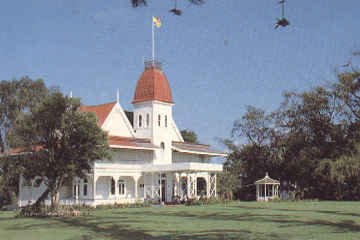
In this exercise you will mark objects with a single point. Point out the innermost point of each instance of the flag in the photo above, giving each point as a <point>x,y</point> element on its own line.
<point>156,22</point>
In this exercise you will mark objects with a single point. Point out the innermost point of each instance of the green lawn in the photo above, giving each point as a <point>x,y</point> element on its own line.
<point>245,220</point>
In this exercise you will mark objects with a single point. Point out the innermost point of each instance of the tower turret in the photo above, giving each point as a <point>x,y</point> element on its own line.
<point>153,111</point>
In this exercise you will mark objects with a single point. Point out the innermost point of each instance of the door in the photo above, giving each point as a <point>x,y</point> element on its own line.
<point>163,190</point>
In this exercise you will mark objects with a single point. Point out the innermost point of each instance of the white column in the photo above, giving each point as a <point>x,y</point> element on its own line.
<point>215,184</point>
<point>136,179</point>
<point>94,186</point>
<point>208,185</point>
<point>195,184</point>
<point>188,194</point>
<point>144,186</point>
<point>77,190</point>
<point>152,185</point>
<point>265,193</point>
<point>117,191</point>
<point>179,185</point>
<point>257,192</point>
<point>160,186</point>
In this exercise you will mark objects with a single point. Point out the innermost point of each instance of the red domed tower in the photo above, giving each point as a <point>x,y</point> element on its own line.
<point>153,104</point>
<point>153,85</point>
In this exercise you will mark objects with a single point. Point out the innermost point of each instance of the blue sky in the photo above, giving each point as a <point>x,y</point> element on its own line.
<point>218,58</point>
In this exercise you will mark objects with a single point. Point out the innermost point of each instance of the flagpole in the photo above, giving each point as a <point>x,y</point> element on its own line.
<point>153,41</point>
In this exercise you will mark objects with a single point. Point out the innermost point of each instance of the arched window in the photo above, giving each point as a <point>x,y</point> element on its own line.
<point>147,120</point>
<point>112,190</point>
<point>165,120</point>
<point>162,145</point>
<point>159,120</point>
<point>85,187</point>
<point>122,189</point>
<point>140,121</point>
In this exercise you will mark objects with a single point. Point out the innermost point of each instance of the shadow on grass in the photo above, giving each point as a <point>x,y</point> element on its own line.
<point>121,225</point>
<point>305,210</point>
<point>342,226</point>
<point>120,228</point>
<point>124,231</point>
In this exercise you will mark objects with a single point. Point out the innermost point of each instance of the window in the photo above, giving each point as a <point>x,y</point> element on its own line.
<point>140,121</point>
<point>162,145</point>
<point>141,185</point>
<point>159,120</point>
<point>147,120</point>
<point>165,121</point>
<point>85,187</point>
<point>121,184</point>
<point>112,190</point>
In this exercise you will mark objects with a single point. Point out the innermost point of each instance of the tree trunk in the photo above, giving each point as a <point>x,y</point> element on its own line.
<point>2,144</point>
<point>55,193</point>
<point>54,200</point>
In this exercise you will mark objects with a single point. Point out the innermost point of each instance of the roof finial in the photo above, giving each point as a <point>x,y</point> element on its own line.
<point>71,95</point>
<point>117,96</point>
<point>267,174</point>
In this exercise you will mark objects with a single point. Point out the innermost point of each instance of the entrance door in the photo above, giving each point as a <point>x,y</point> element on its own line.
<point>163,190</point>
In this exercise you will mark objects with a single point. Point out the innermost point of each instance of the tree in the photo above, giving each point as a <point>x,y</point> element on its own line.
<point>189,136</point>
<point>17,96</point>
<point>60,143</point>
<point>254,126</point>
<point>348,90</point>
<point>310,142</point>
<point>251,160</point>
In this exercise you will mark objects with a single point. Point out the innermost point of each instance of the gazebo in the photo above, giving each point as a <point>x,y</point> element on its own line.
<point>267,188</point>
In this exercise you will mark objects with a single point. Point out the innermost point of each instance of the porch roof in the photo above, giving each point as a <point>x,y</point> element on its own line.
<point>185,166</point>
<point>130,143</point>
<point>267,180</point>
<point>173,167</point>
<point>200,149</point>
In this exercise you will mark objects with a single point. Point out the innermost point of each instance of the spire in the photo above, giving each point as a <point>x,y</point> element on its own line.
<point>71,95</point>
<point>117,96</point>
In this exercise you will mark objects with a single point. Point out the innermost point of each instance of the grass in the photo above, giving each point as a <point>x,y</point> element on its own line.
<point>244,220</point>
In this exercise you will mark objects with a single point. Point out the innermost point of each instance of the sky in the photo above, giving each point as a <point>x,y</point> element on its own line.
<point>219,57</point>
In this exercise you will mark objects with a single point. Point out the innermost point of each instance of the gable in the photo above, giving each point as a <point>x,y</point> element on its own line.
<point>175,133</point>
<point>101,111</point>
<point>117,123</point>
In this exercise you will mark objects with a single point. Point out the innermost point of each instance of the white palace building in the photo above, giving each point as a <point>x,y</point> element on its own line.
<point>150,160</point>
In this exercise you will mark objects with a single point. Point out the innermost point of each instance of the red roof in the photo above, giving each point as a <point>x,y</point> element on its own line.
<point>130,142</point>
<point>14,151</point>
<point>194,147</point>
<point>101,111</point>
<point>153,85</point>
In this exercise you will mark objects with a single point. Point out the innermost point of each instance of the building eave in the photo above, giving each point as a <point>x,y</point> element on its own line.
<point>131,147</point>
<point>199,152</point>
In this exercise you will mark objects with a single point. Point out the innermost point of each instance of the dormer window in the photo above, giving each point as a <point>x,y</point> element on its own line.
<point>140,121</point>
<point>159,120</point>
<point>147,120</point>
<point>165,121</point>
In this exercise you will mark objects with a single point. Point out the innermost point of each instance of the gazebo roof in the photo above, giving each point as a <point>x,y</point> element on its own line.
<point>267,180</point>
